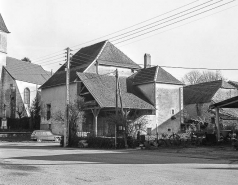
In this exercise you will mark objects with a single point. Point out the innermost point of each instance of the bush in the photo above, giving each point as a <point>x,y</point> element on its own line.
<point>105,143</point>
<point>18,124</point>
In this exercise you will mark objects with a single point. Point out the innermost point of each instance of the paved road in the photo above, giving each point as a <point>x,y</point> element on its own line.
<point>47,163</point>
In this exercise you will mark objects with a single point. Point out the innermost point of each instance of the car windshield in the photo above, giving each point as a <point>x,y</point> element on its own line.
<point>48,133</point>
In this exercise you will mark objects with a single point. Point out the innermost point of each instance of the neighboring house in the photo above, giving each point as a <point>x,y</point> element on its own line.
<point>198,98</point>
<point>20,81</point>
<point>163,91</point>
<point>143,90</point>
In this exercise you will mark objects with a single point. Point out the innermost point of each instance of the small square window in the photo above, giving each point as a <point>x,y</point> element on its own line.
<point>172,111</point>
<point>149,131</point>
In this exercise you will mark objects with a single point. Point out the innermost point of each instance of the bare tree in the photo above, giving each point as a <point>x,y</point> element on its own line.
<point>76,117</point>
<point>132,124</point>
<point>26,59</point>
<point>195,77</point>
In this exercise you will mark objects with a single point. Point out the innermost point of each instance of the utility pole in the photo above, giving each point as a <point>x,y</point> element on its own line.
<point>124,116</point>
<point>116,107</point>
<point>66,123</point>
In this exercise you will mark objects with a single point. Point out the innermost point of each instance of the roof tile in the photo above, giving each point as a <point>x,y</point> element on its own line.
<point>203,92</point>
<point>102,88</point>
<point>26,72</point>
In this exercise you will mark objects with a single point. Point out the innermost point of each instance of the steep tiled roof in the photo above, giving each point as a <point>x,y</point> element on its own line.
<point>102,88</point>
<point>154,74</point>
<point>145,75</point>
<point>26,72</point>
<point>165,77</point>
<point>233,83</point>
<point>104,52</point>
<point>3,26</point>
<point>112,56</point>
<point>203,92</point>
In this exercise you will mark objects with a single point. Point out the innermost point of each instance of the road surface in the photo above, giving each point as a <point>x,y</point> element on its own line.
<point>47,163</point>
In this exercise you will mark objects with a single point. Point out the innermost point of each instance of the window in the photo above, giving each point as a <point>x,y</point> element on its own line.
<point>27,96</point>
<point>149,131</point>
<point>172,111</point>
<point>48,111</point>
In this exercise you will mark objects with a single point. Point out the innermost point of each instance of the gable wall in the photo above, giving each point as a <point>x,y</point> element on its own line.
<point>33,91</point>
<point>168,97</point>
<point>6,92</point>
<point>56,96</point>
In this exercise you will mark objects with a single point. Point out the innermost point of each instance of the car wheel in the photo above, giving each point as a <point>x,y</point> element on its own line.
<point>39,140</point>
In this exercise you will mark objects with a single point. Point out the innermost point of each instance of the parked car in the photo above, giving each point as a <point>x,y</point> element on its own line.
<point>45,135</point>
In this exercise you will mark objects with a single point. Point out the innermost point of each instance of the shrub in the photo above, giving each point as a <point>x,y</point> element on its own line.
<point>18,124</point>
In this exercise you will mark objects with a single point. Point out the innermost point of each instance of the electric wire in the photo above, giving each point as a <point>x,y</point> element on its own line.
<point>145,26</point>
<point>130,38</point>
<point>179,26</point>
<point>136,24</point>
<point>159,28</point>
<point>175,22</point>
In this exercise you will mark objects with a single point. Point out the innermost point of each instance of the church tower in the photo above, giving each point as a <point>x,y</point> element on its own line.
<point>3,56</point>
<point>3,43</point>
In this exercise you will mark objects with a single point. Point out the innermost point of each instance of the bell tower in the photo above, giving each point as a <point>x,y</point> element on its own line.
<point>3,56</point>
<point>3,43</point>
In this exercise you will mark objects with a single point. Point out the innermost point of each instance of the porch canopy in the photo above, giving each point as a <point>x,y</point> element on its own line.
<point>99,92</point>
<point>228,103</point>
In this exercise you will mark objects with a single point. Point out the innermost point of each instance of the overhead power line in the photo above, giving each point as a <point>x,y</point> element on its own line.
<point>202,68</point>
<point>145,26</point>
<point>178,26</point>
<point>121,29</point>
<point>175,22</point>
<point>89,56</point>
<point>136,24</point>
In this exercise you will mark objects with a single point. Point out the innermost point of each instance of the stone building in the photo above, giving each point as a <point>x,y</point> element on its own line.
<point>19,80</point>
<point>149,90</point>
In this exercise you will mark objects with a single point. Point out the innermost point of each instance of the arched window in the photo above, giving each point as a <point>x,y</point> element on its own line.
<point>27,96</point>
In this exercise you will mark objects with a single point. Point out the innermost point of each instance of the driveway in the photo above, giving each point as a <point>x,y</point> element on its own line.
<point>47,163</point>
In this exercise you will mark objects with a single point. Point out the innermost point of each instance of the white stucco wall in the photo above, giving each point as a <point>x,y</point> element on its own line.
<point>33,91</point>
<point>168,97</point>
<point>56,97</point>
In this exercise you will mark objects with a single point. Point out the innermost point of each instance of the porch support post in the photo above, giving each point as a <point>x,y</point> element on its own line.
<point>217,123</point>
<point>95,120</point>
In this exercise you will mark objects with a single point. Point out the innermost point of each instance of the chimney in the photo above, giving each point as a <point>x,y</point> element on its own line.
<point>147,60</point>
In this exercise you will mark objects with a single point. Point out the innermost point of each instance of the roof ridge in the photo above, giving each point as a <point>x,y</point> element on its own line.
<point>156,73</point>
<point>97,55</point>
<point>202,83</point>
<point>25,61</point>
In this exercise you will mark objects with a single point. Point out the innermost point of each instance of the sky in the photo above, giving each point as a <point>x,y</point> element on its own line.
<point>42,29</point>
